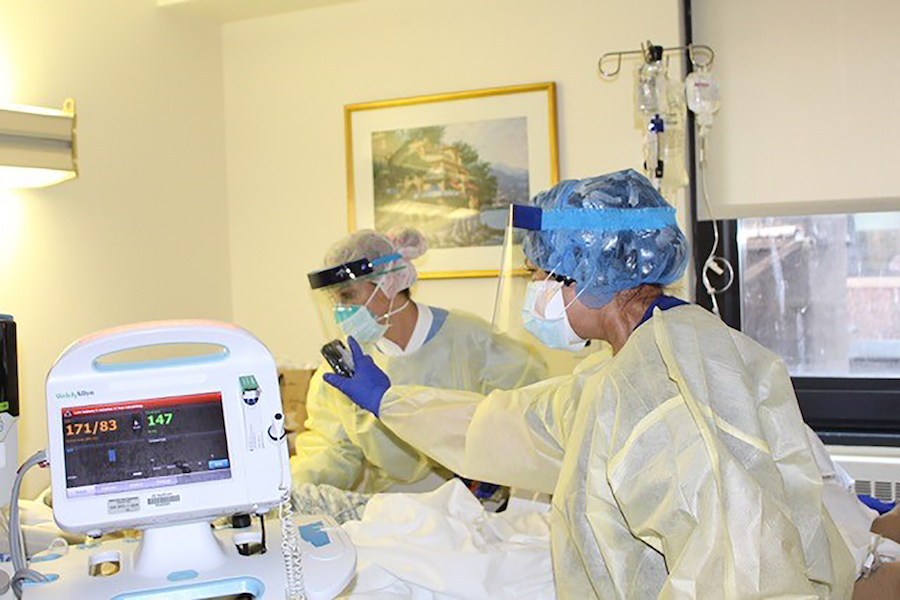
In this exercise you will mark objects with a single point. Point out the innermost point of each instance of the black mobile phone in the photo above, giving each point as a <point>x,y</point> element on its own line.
<point>339,357</point>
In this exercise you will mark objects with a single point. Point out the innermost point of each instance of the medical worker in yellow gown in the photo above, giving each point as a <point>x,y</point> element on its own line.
<point>366,286</point>
<point>680,467</point>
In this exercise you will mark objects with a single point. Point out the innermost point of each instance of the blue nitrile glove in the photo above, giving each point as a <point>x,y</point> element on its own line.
<point>367,385</point>
<point>876,504</point>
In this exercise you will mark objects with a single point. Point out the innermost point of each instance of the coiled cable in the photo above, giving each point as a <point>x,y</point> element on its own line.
<point>717,264</point>
<point>290,540</point>
<point>290,550</point>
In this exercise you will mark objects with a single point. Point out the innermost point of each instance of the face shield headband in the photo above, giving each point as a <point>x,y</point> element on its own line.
<point>351,271</point>
<point>597,221</point>
<point>605,220</point>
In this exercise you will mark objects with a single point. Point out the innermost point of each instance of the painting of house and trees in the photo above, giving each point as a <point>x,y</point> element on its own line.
<point>454,182</point>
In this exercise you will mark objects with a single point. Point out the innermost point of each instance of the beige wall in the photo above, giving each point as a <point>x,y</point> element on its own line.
<point>288,77</point>
<point>146,232</point>
<point>142,233</point>
<point>808,120</point>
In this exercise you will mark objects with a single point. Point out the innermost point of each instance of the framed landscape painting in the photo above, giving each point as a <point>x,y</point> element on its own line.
<point>450,165</point>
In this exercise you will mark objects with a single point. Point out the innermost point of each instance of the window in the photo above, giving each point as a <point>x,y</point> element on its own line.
<point>823,292</point>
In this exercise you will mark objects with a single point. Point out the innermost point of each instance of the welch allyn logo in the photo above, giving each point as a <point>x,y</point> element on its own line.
<point>75,394</point>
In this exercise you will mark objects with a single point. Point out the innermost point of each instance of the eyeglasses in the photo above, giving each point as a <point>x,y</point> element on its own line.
<point>551,275</point>
<point>562,279</point>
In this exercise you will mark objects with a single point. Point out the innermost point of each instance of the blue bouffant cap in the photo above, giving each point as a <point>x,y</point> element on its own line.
<point>608,233</point>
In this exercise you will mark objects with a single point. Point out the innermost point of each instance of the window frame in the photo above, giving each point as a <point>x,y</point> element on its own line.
<point>844,411</point>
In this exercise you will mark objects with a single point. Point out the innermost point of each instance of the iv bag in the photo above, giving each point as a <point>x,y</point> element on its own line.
<point>672,142</point>
<point>702,91</point>
<point>650,92</point>
<point>664,131</point>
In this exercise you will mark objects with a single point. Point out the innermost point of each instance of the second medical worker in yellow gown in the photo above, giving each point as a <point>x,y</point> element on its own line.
<point>368,282</point>
<point>681,466</point>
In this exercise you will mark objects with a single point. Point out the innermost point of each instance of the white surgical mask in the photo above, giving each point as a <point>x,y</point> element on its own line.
<point>544,315</point>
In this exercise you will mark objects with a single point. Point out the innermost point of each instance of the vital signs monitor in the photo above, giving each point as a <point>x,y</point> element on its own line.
<point>151,441</point>
<point>164,427</point>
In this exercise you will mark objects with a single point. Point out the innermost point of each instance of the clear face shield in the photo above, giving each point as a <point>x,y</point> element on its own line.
<point>530,305</point>
<point>350,299</point>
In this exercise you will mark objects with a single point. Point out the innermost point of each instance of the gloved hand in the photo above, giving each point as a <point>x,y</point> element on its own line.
<point>367,385</point>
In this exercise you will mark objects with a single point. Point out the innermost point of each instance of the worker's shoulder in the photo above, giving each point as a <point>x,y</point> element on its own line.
<point>708,325</point>
<point>473,329</point>
<point>694,331</point>
<point>464,322</point>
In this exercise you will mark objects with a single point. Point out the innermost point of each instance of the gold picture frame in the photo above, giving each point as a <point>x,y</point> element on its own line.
<point>527,110</point>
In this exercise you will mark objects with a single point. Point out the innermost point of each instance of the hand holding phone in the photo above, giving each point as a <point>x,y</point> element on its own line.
<point>339,357</point>
<point>367,383</point>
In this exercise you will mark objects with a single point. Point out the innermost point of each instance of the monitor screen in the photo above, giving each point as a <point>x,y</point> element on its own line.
<point>136,445</point>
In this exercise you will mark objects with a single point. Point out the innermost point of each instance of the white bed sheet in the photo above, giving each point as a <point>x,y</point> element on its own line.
<point>442,544</point>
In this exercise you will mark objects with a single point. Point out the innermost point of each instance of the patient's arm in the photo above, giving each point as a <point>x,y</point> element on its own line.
<point>888,525</point>
<point>883,584</point>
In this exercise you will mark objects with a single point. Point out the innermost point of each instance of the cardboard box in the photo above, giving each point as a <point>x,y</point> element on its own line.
<point>294,384</point>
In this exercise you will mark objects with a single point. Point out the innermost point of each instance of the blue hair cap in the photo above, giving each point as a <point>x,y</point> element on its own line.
<point>609,233</point>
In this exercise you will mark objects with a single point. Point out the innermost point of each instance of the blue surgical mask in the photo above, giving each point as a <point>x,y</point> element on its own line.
<point>544,315</point>
<point>359,322</point>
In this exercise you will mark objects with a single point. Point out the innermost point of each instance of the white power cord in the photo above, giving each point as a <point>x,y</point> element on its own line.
<point>16,536</point>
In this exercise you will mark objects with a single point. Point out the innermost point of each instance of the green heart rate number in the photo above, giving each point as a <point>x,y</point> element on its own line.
<point>159,419</point>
